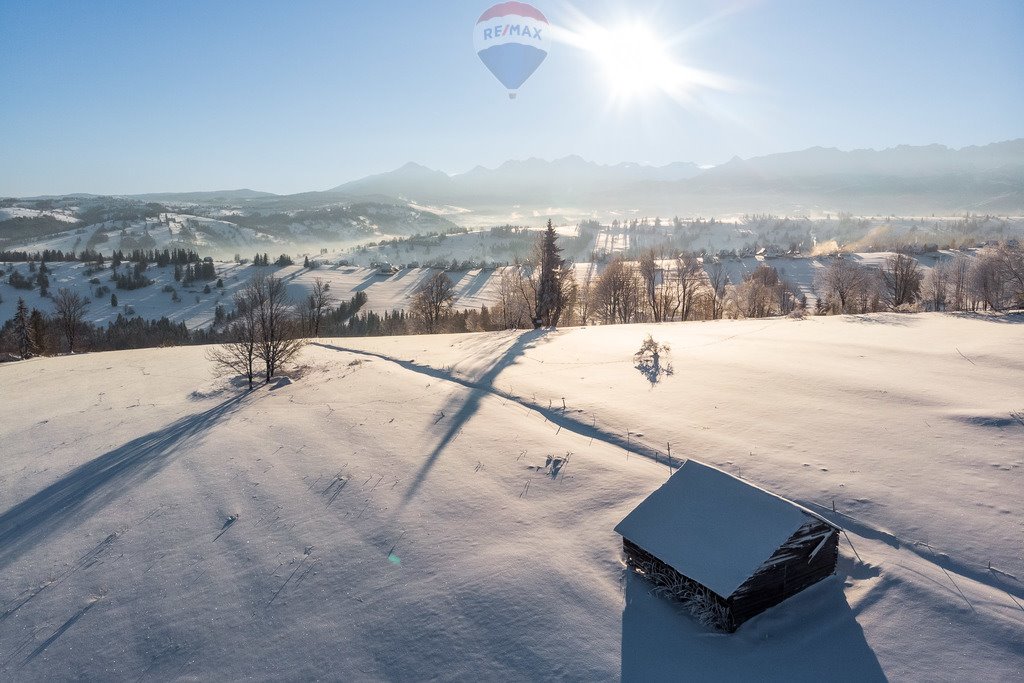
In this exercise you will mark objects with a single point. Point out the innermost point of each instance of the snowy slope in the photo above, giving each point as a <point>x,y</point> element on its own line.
<point>390,512</point>
<point>195,308</point>
<point>64,215</point>
<point>473,288</point>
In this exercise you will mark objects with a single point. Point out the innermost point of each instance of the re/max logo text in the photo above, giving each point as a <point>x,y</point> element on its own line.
<point>511,30</point>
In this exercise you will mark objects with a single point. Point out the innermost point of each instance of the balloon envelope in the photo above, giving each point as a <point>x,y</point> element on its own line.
<point>511,39</point>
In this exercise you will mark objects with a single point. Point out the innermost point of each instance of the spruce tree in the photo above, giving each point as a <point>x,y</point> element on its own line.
<point>23,333</point>
<point>549,288</point>
<point>37,322</point>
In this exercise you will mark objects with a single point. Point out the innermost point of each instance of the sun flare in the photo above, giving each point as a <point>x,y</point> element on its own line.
<point>634,62</point>
<point>637,63</point>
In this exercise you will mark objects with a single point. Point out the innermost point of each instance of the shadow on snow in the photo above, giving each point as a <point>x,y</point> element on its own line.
<point>813,635</point>
<point>479,388</point>
<point>95,483</point>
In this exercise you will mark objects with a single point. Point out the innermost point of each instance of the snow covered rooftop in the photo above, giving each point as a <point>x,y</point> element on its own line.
<point>712,527</point>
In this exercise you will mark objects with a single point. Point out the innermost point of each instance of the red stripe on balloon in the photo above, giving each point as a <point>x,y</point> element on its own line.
<point>518,8</point>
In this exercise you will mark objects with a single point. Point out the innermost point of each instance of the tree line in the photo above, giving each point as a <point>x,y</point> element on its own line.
<point>160,257</point>
<point>265,329</point>
<point>992,280</point>
<point>32,332</point>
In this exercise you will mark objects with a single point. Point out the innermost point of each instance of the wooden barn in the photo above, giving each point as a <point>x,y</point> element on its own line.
<point>726,549</point>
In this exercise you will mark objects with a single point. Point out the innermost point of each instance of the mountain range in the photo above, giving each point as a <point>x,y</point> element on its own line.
<point>904,180</point>
<point>930,178</point>
<point>532,182</point>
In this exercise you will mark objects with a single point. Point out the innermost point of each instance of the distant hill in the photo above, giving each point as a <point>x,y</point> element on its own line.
<point>215,196</point>
<point>904,180</point>
<point>530,182</point>
<point>930,178</point>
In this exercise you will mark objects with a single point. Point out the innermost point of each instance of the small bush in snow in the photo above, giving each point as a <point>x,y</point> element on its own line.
<point>652,360</point>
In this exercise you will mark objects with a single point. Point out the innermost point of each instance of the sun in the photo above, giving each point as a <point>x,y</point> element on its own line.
<point>634,61</point>
<point>637,63</point>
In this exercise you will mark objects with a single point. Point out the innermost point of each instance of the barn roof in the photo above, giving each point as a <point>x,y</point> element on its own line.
<point>712,527</point>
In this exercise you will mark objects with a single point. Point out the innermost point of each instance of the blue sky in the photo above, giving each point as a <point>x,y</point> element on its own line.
<point>127,97</point>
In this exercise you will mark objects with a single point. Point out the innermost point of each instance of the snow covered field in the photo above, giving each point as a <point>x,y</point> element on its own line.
<point>388,512</point>
<point>473,288</point>
<point>196,308</point>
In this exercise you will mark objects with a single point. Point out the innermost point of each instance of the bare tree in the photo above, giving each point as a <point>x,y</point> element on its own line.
<point>688,280</point>
<point>717,280</point>
<point>985,282</point>
<point>958,272</point>
<point>432,301</point>
<point>513,309</point>
<point>656,295</point>
<point>617,292</point>
<point>238,356</point>
<point>872,291</point>
<point>585,294</point>
<point>669,286</point>
<point>757,296</point>
<point>524,284</point>
<point>843,282</point>
<point>280,334</point>
<point>70,308</point>
<point>1010,257</point>
<point>936,285</point>
<point>318,303</point>
<point>902,277</point>
<point>569,292</point>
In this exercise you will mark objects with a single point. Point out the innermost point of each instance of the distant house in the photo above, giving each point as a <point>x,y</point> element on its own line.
<point>726,549</point>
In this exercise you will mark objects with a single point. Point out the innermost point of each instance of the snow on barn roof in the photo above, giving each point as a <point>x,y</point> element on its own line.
<point>712,527</point>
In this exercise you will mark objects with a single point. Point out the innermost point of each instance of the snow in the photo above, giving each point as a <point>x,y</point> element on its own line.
<point>712,527</point>
<point>473,289</point>
<point>390,514</point>
<point>195,308</point>
<point>20,212</point>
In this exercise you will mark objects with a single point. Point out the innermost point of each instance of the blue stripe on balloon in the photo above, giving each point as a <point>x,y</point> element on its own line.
<point>512,63</point>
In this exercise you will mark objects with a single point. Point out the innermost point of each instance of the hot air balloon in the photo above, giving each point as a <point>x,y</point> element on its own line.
<point>512,40</point>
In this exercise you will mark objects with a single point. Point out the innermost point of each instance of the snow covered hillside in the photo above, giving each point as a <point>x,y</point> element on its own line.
<point>442,507</point>
<point>473,288</point>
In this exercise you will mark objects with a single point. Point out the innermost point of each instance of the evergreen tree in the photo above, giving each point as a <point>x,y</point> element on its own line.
<point>113,300</point>
<point>38,324</point>
<point>23,333</point>
<point>549,288</point>
<point>42,280</point>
